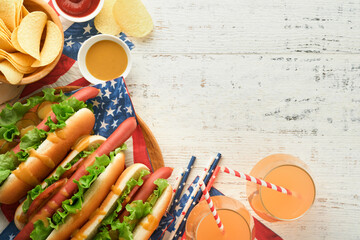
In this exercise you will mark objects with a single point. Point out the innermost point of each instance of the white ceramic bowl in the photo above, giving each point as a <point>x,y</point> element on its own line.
<point>78,19</point>
<point>91,41</point>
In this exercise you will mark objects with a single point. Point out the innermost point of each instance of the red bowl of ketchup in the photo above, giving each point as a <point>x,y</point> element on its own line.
<point>78,10</point>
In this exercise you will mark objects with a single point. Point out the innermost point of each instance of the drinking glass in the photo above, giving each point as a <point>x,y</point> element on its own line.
<point>237,221</point>
<point>286,171</point>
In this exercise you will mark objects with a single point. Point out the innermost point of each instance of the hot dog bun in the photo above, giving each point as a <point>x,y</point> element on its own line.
<point>149,223</point>
<point>42,161</point>
<point>92,199</point>
<point>85,142</point>
<point>146,226</point>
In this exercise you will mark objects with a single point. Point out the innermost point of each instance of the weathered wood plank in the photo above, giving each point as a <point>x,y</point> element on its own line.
<point>230,26</point>
<point>248,107</point>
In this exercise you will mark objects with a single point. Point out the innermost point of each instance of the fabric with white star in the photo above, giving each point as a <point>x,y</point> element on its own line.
<point>111,107</point>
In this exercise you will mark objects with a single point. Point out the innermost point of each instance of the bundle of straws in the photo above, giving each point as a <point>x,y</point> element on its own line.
<point>177,228</point>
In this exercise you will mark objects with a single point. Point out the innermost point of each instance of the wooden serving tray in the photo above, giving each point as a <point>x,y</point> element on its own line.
<point>152,145</point>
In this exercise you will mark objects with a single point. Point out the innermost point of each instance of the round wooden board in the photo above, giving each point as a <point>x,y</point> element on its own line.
<point>152,145</point>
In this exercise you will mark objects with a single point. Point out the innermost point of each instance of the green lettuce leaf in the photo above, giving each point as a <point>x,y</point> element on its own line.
<point>161,185</point>
<point>22,155</point>
<point>49,95</point>
<point>123,229</point>
<point>30,197</point>
<point>60,170</point>
<point>32,139</point>
<point>8,163</point>
<point>32,194</point>
<point>137,210</point>
<point>10,115</point>
<point>64,111</point>
<point>9,132</point>
<point>104,235</point>
<point>112,217</point>
<point>40,232</point>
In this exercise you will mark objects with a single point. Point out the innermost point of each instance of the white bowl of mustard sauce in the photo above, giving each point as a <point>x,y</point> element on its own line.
<point>103,58</point>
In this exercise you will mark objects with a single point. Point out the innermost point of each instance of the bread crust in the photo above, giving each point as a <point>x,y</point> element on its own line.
<point>93,197</point>
<point>16,185</point>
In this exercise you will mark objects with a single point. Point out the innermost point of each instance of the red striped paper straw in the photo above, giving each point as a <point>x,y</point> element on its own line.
<point>211,181</point>
<point>211,206</point>
<point>256,180</point>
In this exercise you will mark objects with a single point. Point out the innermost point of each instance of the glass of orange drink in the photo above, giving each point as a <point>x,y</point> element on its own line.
<point>286,171</point>
<point>237,221</point>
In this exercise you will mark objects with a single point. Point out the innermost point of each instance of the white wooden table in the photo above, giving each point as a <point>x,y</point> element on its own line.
<point>252,78</point>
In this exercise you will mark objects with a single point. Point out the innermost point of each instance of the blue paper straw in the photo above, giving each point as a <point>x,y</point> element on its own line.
<point>181,185</point>
<point>197,196</point>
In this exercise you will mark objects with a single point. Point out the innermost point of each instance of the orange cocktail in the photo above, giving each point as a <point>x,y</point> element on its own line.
<point>286,171</point>
<point>237,221</point>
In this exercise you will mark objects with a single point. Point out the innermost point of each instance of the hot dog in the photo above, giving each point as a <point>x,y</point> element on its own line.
<point>142,213</point>
<point>34,201</point>
<point>148,187</point>
<point>81,95</point>
<point>41,149</point>
<point>83,192</point>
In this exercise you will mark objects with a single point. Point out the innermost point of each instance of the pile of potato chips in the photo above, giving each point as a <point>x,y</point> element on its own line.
<point>23,49</point>
<point>128,16</point>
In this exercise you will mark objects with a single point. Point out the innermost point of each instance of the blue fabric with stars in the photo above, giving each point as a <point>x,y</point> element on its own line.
<point>9,232</point>
<point>111,107</point>
<point>78,33</point>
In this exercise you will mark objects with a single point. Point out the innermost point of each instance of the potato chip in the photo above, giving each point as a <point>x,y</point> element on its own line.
<point>4,29</point>
<point>24,12</point>
<point>22,62</point>
<point>9,71</point>
<point>30,31</point>
<point>8,13</point>
<point>52,45</point>
<point>105,21</point>
<point>5,44</point>
<point>18,14</point>
<point>15,42</point>
<point>132,17</point>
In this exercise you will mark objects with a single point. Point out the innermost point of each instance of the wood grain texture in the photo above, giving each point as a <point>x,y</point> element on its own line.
<point>249,79</point>
<point>228,26</point>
